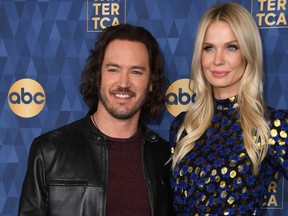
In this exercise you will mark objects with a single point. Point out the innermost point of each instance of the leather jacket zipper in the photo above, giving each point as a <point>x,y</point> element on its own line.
<point>106,180</point>
<point>146,177</point>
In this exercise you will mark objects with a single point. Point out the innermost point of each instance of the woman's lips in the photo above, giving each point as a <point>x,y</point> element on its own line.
<point>219,74</point>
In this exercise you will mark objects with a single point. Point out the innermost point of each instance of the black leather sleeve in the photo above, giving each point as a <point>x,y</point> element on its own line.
<point>34,190</point>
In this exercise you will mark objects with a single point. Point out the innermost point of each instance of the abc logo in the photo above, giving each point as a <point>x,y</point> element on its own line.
<point>26,98</point>
<point>179,96</point>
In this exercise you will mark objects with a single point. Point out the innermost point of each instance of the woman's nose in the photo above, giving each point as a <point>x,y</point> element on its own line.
<point>218,58</point>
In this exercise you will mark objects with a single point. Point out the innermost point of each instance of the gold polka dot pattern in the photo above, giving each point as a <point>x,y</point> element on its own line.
<point>216,176</point>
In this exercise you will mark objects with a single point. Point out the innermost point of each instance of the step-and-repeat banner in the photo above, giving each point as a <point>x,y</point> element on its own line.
<point>43,48</point>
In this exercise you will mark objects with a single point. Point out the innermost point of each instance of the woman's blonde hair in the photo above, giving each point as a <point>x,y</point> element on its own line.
<point>252,108</point>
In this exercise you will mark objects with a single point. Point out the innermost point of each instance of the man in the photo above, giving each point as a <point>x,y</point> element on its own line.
<point>107,163</point>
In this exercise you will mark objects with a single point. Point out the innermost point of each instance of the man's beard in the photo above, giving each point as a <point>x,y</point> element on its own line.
<point>123,114</point>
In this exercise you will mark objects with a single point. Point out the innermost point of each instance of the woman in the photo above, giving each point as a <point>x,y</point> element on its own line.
<point>228,146</point>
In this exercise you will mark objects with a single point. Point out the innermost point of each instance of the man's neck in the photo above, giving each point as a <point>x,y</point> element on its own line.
<point>113,127</point>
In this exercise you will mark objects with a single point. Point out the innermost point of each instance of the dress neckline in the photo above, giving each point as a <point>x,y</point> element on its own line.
<point>226,104</point>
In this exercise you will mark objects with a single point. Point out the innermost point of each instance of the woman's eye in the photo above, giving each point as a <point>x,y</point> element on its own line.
<point>232,48</point>
<point>208,48</point>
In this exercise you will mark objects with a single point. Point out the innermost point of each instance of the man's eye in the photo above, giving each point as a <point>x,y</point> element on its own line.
<point>112,70</point>
<point>136,72</point>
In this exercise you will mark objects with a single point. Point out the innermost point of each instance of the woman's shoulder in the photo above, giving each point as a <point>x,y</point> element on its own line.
<point>278,114</point>
<point>278,119</point>
<point>279,139</point>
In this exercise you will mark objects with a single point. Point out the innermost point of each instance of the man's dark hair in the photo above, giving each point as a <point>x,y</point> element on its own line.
<point>91,75</point>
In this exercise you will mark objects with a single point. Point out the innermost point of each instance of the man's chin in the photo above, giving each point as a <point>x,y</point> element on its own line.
<point>123,115</point>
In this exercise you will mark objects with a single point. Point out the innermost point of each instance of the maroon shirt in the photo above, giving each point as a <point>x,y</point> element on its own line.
<point>127,192</point>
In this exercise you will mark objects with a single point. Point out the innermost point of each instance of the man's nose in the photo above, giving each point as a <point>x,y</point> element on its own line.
<point>124,80</point>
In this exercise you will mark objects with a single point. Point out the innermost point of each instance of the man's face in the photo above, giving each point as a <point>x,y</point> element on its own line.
<point>125,74</point>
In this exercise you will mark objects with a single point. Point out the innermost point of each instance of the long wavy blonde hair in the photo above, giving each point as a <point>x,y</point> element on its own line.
<point>252,108</point>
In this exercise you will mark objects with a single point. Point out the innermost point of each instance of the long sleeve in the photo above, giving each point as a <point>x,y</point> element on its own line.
<point>33,197</point>
<point>279,141</point>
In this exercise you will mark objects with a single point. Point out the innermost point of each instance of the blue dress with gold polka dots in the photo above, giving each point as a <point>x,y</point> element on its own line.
<point>216,176</point>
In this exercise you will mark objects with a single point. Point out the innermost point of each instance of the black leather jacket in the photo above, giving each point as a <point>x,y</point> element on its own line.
<point>67,173</point>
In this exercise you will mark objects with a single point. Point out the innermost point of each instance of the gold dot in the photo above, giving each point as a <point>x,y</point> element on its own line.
<point>232,163</point>
<point>222,184</point>
<point>203,198</point>
<point>202,174</point>
<point>224,170</point>
<point>242,156</point>
<point>233,174</point>
<point>231,187</point>
<point>235,105</point>
<point>190,169</point>
<point>223,194</point>
<point>231,200</point>
<point>273,132</point>
<point>283,134</point>
<point>248,162</point>
<point>239,180</point>
<point>281,142</point>
<point>281,160</point>
<point>214,172</point>
<point>271,141</point>
<point>240,168</point>
<point>201,187</point>
<point>226,212</point>
<point>244,189</point>
<point>277,122</point>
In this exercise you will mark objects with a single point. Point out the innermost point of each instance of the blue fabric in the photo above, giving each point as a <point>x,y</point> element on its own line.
<point>216,176</point>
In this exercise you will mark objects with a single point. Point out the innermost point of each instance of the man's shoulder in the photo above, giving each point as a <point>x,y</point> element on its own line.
<point>152,136</point>
<point>67,131</point>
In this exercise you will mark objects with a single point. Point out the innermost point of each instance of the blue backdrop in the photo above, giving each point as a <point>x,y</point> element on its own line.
<point>49,40</point>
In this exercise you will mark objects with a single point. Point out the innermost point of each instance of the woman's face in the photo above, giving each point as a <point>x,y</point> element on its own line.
<point>222,61</point>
